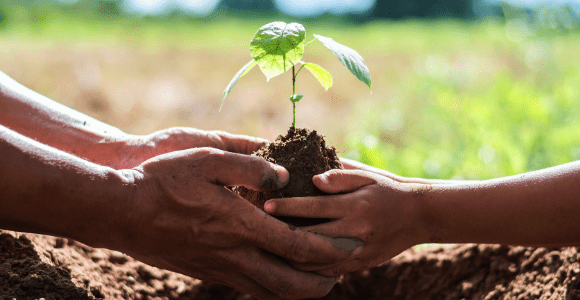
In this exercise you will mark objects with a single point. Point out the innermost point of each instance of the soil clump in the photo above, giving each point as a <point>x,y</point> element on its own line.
<point>303,153</point>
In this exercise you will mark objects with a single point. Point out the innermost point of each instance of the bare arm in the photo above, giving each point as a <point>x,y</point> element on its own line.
<point>44,190</point>
<point>350,164</point>
<point>56,125</point>
<point>50,123</point>
<point>538,208</point>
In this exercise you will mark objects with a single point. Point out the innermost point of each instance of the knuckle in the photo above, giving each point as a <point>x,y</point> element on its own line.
<point>360,205</point>
<point>203,152</point>
<point>214,154</point>
<point>211,157</point>
<point>334,175</point>
<point>362,230</point>
<point>217,138</point>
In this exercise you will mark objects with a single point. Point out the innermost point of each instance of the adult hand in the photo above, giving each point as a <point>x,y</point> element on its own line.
<point>136,149</point>
<point>183,219</point>
<point>379,211</point>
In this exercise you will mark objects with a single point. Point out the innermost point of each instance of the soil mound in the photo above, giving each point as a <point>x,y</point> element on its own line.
<point>303,153</point>
<point>35,266</point>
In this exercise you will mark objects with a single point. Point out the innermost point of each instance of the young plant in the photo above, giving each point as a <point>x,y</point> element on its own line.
<point>277,47</point>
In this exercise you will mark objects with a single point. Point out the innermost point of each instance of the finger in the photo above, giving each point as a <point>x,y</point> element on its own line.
<point>309,267</point>
<point>235,280</point>
<point>281,279</point>
<point>343,234</point>
<point>333,207</point>
<point>343,181</point>
<point>287,241</point>
<point>347,267</point>
<point>350,164</point>
<point>233,169</point>
<point>243,144</point>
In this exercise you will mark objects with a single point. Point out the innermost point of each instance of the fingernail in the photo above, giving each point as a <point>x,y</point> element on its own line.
<point>275,178</point>
<point>357,251</point>
<point>283,176</point>
<point>270,207</point>
<point>347,244</point>
<point>323,178</point>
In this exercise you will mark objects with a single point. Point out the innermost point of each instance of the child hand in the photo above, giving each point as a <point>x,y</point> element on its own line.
<point>381,212</point>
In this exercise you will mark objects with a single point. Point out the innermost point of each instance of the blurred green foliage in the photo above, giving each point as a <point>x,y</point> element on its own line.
<point>457,99</point>
<point>488,101</point>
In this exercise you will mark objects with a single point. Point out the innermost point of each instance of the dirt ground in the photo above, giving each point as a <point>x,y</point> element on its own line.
<point>36,266</point>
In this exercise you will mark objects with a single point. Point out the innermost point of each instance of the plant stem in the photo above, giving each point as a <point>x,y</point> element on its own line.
<point>293,93</point>
<point>294,114</point>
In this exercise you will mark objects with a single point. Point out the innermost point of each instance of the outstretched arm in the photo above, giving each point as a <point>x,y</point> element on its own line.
<point>44,190</point>
<point>56,125</point>
<point>53,124</point>
<point>538,208</point>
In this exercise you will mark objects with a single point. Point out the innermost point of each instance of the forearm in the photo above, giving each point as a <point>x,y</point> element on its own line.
<point>56,125</point>
<point>539,208</point>
<point>352,164</point>
<point>44,190</point>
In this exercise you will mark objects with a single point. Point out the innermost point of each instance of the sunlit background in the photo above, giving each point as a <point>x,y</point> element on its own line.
<point>461,89</point>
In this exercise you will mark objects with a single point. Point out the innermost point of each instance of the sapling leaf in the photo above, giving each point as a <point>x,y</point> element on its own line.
<point>277,46</point>
<point>349,58</point>
<point>243,71</point>
<point>295,98</point>
<point>321,74</point>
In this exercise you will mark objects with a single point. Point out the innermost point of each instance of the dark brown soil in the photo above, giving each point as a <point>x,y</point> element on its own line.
<point>303,153</point>
<point>36,266</point>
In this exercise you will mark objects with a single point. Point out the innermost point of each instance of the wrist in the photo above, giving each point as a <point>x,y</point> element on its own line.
<point>425,197</point>
<point>108,210</point>
<point>450,214</point>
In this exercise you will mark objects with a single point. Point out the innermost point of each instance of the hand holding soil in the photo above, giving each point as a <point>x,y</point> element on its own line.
<point>372,208</point>
<point>135,149</point>
<point>183,219</point>
<point>538,208</point>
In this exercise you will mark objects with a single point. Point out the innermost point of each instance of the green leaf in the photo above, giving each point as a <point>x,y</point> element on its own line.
<point>296,98</point>
<point>243,71</point>
<point>349,58</point>
<point>277,46</point>
<point>321,74</point>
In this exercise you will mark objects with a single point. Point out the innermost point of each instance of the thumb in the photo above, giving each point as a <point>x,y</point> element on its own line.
<point>342,181</point>
<point>233,169</point>
<point>240,143</point>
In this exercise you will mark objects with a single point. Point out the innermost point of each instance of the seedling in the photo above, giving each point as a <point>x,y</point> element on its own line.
<point>277,47</point>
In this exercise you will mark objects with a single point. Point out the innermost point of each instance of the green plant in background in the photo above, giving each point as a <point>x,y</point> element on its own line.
<point>277,47</point>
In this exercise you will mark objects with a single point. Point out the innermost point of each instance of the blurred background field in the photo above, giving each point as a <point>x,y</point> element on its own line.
<point>477,91</point>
